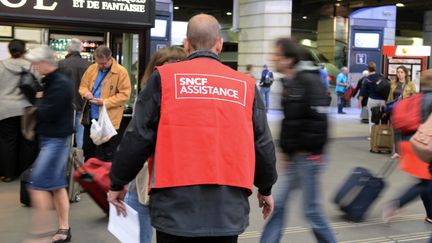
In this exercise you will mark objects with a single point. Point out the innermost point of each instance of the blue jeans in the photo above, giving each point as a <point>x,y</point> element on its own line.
<point>146,230</point>
<point>79,130</point>
<point>340,101</point>
<point>265,94</point>
<point>301,172</point>
<point>422,188</point>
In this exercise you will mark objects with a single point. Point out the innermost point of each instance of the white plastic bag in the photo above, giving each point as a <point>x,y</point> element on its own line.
<point>102,131</point>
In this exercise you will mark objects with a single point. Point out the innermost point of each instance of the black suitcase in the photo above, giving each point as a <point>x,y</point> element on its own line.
<point>24,194</point>
<point>360,190</point>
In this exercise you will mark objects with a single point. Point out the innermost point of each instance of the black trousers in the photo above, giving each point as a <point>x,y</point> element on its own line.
<point>16,152</point>
<point>162,237</point>
<point>103,152</point>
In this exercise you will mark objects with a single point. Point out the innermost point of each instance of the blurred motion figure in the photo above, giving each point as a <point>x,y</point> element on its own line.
<point>302,140</point>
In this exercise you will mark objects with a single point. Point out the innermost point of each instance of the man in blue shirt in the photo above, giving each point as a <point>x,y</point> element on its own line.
<point>324,78</point>
<point>341,86</point>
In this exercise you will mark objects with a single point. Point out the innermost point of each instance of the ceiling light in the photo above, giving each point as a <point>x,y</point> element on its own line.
<point>304,17</point>
<point>337,4</point>
<point>176,7</point>
<point>400,5</point>
<point>228,13</point>
<point>339,0</point>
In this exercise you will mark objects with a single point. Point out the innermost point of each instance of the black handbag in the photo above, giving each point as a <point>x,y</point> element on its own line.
<point>85,119</point>
<point>29,85</point>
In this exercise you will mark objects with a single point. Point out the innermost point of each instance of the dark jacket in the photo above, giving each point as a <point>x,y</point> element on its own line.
<point>203,210</point>
<point>55,110</point>
<point>358,88</point>
<point>369,86</point>
<point>74,67</point>
<point>304,101</point>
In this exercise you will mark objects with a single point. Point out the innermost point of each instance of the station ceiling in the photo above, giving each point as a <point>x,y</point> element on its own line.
<point>409,18</point>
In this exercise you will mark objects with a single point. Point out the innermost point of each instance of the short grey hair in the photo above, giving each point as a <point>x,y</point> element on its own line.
<point>102,52</point>
<point>74,45</point>
<point>41,54</point>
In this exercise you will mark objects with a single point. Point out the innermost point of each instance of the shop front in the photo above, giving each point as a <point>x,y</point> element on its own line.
<point>122,25</point>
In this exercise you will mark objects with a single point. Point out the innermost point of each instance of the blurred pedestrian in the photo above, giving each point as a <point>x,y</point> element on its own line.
<point>134,196</point>
<point>369,90</point>
<point>12,104</point>
<point>302,140</point>
<point>423,187</point>
<point>324,78</point>
<point>55,125</point>
<point>364,113</point>
<point>210,140</point>
<point>341,87</point>
<point>250,70</point>
<point>104,83</point>
<point>265,83</point>
<point>74,66</point>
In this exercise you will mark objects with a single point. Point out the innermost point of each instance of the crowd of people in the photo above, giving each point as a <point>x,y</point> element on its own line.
<point>187,162</point>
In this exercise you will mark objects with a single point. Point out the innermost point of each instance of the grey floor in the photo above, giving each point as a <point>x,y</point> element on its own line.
<point>348,148</point>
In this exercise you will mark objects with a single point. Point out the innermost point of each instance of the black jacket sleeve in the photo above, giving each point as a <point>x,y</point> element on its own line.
<point>54,101</point>
<point>139,139</point>
<point>265,166</point>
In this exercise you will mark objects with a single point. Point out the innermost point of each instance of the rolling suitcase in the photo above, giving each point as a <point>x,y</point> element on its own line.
<point>381,139</point>
<point>361,189</point>
<point>76,159</point>
<point>93,177</point>
<point>24,194</point>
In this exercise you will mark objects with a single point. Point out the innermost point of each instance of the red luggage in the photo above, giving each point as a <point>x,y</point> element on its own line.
<point>93,177</point>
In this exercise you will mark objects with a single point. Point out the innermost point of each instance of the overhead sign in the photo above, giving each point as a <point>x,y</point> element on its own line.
<point>409,51</point>
<point>125,13</point>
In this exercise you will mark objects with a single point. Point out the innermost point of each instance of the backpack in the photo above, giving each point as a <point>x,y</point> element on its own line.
<point>382,87</point>
<point>268,80</point>
<point>422,141</point>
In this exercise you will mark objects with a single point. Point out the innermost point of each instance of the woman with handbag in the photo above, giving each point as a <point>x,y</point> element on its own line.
<point>411,164</point>
<point>401,88</point>
<point>13,160</point>
<point>54,128</point>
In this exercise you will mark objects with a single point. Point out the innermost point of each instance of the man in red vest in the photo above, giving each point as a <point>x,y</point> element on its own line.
<point>205,127</point>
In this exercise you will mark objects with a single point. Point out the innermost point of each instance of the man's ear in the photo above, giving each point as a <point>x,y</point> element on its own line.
<point>219,45</point>
<point>187,46</point>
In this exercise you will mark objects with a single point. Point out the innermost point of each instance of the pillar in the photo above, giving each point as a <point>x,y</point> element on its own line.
<point>260,24</point>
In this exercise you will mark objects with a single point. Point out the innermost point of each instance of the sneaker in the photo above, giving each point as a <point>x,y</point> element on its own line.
<point>428,220</point>
<point>395,156</point>
<point>390,211</point>
<point>342,112</point>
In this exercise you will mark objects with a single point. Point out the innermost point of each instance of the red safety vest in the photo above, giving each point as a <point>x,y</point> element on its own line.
<point>205,133</point>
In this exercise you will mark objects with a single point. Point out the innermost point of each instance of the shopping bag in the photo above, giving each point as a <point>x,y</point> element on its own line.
<point>102,130</point>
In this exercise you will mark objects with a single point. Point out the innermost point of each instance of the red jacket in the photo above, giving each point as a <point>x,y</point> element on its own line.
<point>205,132</point>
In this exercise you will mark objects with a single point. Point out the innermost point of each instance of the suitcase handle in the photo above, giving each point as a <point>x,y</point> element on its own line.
<point>387,169</point>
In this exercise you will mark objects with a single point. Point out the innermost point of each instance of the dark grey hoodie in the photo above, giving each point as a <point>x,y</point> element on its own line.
<point>12,101</point>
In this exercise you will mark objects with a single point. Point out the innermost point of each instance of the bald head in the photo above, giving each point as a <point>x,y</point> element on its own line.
<point>203,32</point>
